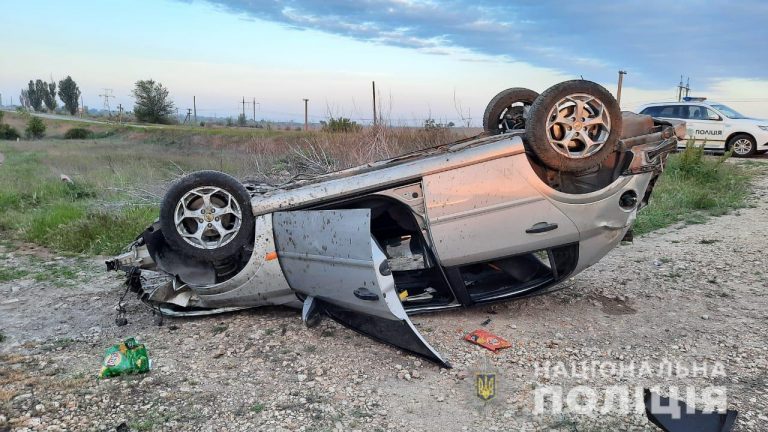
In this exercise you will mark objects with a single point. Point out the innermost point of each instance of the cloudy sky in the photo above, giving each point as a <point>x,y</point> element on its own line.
<point>439,59</point>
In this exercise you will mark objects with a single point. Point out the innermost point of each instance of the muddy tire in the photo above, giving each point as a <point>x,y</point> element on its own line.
<point>506,111</point>
<point>207,215</point>
<point>573,126</point>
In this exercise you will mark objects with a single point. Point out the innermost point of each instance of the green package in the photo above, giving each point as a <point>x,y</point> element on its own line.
<point>125,358</point>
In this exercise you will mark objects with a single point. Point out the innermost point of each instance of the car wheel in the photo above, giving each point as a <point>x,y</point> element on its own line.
<point>742,145</point>
<point>573,126</point>
<point>207,215</point>
<point>507,110</point>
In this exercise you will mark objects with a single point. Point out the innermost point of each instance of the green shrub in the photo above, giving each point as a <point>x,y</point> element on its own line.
<point>341,124</point>
<point>78,133</point>
<point>8,133</point>
<point>693,187</point>
<point>431,124</point>
<point>35,128</point>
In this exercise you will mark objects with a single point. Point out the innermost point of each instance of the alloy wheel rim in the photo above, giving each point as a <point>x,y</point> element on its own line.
<point>742,146</point>
<point>578,126</point>
<point>208,217</point>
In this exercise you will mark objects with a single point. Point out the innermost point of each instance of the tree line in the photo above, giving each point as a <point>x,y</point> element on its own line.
<point>152,100</point>
<point>40,93</point>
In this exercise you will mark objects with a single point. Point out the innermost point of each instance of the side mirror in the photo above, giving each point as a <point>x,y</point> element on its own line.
<point>714,117</point>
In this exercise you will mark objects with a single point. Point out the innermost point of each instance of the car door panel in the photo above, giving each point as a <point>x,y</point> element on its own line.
<point>330,257</point>
<point>486,211</point>
<point>705,132</point>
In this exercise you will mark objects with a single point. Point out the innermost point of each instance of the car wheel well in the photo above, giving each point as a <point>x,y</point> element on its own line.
<point>732,136</point>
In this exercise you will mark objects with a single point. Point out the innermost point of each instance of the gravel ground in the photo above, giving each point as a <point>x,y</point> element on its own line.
<point>691,294</point>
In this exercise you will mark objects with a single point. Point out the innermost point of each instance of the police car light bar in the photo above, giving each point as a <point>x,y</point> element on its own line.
<point>694,99</point>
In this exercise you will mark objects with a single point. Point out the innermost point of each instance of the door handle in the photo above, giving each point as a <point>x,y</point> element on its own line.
<point>365,294</point>
<point>541,227</point>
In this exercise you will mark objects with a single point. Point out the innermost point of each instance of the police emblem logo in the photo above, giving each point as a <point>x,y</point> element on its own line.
<point>485,385</point>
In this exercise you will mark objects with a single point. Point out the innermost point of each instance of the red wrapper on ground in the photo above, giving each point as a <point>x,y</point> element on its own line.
<point>487,340</point>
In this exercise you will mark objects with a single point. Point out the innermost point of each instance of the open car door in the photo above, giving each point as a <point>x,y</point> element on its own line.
<point>331,259</point>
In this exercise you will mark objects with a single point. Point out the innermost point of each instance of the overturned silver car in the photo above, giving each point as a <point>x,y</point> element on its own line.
<point>553,184</point>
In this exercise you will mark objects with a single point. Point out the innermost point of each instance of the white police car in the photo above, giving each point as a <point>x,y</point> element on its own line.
<point>714,125</point>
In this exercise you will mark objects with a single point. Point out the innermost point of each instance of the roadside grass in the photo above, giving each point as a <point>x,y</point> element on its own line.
<point>11,274</point>
<point>36,206</point>
<point>58,127</point>
<point>120,173</point>
<point>695,187</point>
<point>55,272</point>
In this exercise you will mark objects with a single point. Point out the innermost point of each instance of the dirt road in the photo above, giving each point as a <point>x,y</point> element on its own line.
<point>690,295</point>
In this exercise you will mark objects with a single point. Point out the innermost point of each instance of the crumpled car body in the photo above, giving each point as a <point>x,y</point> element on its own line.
<point>463,224</point>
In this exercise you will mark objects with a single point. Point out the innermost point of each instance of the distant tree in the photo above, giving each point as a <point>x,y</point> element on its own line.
<point>229,121</point>
<point>241,120</point>
<point>50,96</point>
<point>152,103</point>
<point>2,113</point>
<point>41,90</point>
<point>35,127</point>
<point>35,93</point>
<point>69,93</point>
<point>24,99</point>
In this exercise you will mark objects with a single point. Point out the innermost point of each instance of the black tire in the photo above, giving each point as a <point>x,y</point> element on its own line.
<point>567,158</point>
<point>211,179</point>
<point>494,121</point>
<point>742,145</point>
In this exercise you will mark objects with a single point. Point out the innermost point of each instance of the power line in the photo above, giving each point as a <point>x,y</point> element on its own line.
<point>680,88</point>
<point>107,94</point>
<point>188,116</point>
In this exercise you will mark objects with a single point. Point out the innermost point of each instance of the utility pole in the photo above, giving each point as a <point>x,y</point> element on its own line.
<point>194,106</point>
<point>683,90</point>
<point>120,110</point>
<point>82,106</point>
<point>621,82</point>
<point>107,94</point>
<point>374,102</point>
<point>254,111</point>
<point>188,116</point>
<point>243,106</point>
<point>306,117</point>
